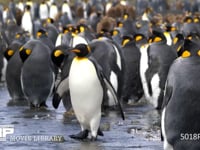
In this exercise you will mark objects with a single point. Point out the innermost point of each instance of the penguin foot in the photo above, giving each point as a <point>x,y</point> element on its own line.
<point>80,136</point>
<point>99,132</point>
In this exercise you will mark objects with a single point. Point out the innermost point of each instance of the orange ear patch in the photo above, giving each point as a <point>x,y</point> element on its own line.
<point>186,54</point>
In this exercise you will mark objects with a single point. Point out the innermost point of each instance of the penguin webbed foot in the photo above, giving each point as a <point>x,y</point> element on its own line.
<point>99,132</point>
<point>80,136</point>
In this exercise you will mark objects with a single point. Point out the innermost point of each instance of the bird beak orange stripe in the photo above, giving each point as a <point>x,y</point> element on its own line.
<point>76,50</point>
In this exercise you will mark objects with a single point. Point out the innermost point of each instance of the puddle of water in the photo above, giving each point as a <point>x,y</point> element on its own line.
<point>140,130</point>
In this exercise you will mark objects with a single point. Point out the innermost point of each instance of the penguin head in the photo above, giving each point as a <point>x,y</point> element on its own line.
<point>41,33</point>
<point>140,39</point>
<point>27,7</point>
<point>81,28</point>
<point>188,19</point>
<point>190,49</point>
<point>81,50</point>
<point>126,39</point>
<point>157,37</point>
<point>24,53</point>
<point>57,56</point>
<point>9,53</point>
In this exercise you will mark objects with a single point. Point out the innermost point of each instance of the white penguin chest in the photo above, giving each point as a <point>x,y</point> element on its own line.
<point>85,87</point>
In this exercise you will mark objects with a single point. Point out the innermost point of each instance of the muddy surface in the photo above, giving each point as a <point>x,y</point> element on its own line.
<point>48,129</point>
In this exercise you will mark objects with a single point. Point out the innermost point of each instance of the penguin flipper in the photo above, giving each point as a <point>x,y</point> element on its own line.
<point>62,88</point>
<point>114,94</point>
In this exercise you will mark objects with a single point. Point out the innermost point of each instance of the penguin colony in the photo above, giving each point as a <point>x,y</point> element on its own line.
<point>93,55</point>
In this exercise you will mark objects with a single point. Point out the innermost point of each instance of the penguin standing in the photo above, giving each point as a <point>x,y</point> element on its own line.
<point>43,10</point>
<point>26,22</point>
<point>155,61</point>
<point>37,76</point>
<point>53,11</point>
<point>65,8</point>
<point>13,73</point>
<point>88,112</point>
<point>132,89</point>
<point>180,124</point>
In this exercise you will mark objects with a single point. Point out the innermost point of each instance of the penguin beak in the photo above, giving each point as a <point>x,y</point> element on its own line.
<point>76,50</point>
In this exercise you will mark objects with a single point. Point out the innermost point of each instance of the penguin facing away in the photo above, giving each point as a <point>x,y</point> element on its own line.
<point>90,88</point>
<point>155,61</point>
<point>37,76</point>
<point>132,89</point>
<point>180,124</point>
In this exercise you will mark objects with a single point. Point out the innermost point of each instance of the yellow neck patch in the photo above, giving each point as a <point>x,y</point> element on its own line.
<point>76,59</point>
<point>57,53</point>
<point>186,54</point>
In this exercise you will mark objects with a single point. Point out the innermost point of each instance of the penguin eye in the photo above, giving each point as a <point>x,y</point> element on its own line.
<point>57,53</point>
<point>198,52</point>
<point>185,54</point>
<point>175,40</point>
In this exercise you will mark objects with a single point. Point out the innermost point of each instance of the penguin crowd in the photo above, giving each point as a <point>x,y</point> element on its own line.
<point>100,54</point>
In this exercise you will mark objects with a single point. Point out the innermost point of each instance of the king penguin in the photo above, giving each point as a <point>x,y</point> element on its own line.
<point>13,73</point>
<point>155,62</point>
<point>37,76</point>
<point>180,110</point>
<point>26,22</point>
<point>88,111</point>
<point>132,89</point>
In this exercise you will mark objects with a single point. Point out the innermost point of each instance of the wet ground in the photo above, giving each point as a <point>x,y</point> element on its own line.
<point>49,129</point>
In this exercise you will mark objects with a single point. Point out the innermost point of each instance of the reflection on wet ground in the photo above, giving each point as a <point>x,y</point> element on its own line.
<point>41,129</point>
